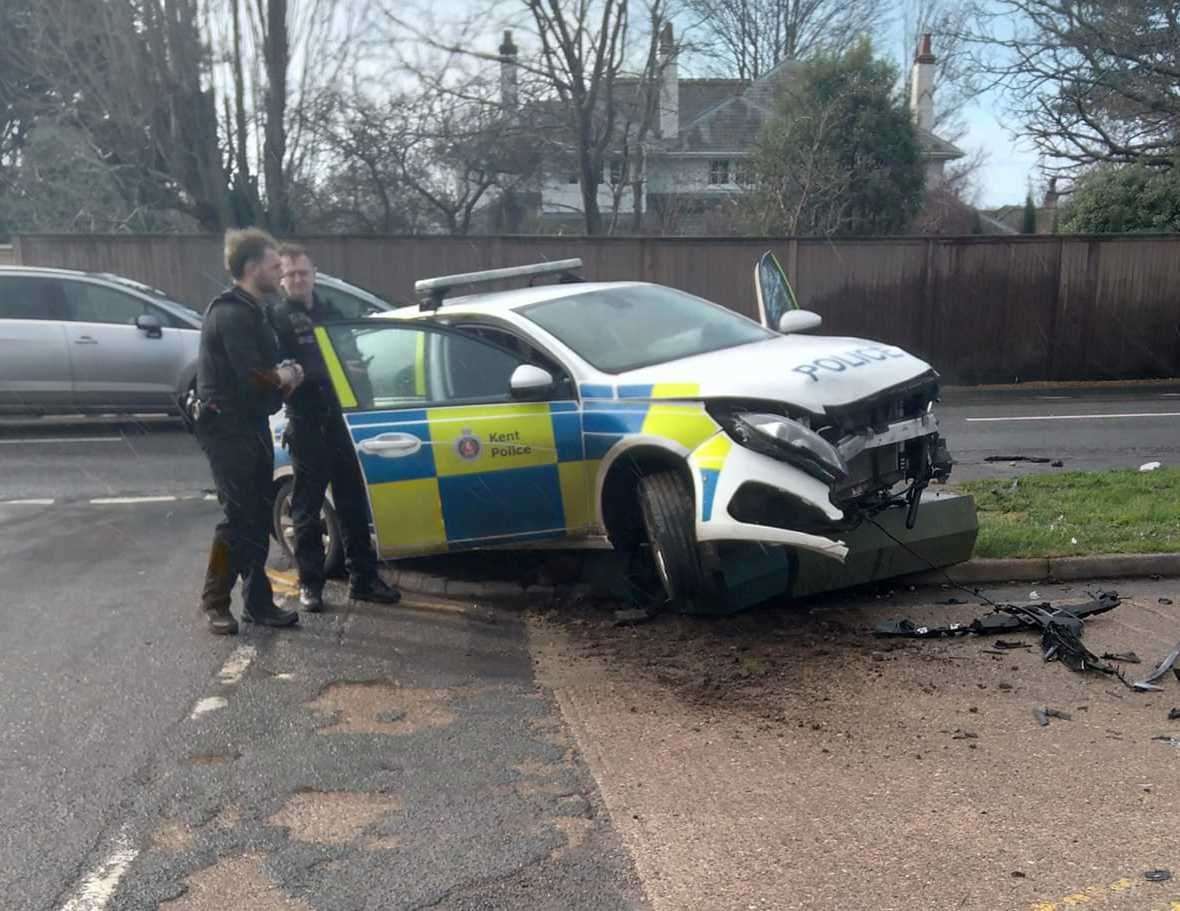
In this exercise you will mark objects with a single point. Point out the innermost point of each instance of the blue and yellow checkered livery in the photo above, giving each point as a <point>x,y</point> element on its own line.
<point>511,472</point>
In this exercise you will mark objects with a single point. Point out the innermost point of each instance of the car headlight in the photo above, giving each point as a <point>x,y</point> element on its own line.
<point>782,438</point>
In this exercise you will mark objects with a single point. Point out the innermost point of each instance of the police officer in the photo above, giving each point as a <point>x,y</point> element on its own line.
<point>321,448</point>
<point>238,385</point>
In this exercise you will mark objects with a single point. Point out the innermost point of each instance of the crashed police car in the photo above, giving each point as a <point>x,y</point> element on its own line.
<point>571,411</point>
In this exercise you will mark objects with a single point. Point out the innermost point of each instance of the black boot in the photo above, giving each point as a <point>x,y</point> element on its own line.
<point>275,616</point>
<point>222,623</point>
<point>311,599</point>
<point>373,588</point>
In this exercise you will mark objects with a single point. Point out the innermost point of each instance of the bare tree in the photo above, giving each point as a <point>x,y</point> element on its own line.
<point>956,73</point>
<point>748,38</point>
<point>133,76</point>
<point>1088,82</point>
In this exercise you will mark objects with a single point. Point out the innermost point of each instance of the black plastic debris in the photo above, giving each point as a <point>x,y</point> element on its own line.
<point>1005,619</point>
<point>1004,643</point>
<point>1158,876</point>
<point>1057,464</point>
<point>1165,600</point>
<point>1036,460</point>
<point>1122,657</point>
<point>1173,714</point>
<point>1170,741</point>
<point>1043,713</point>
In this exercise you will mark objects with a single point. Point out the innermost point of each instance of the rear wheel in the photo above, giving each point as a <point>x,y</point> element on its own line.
<point>667,506</point>
<point>284,530</point>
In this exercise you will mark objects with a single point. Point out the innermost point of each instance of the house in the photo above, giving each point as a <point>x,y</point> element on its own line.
<point>1048,214</point>
<point>700,142</point>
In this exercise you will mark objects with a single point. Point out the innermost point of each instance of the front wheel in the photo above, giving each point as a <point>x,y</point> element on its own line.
<point>283,529</point>
<point>669,519</point>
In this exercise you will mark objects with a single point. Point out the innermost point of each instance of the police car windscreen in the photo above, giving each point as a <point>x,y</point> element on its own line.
<point>626,328</point>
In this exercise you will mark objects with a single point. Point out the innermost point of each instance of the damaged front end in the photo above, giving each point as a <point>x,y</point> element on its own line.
<point>790,477</point>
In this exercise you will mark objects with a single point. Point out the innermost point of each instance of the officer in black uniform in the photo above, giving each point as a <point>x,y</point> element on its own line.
<point>321,448</point>
<point>239,383</point>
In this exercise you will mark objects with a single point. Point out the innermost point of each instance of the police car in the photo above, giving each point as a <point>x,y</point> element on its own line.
<point>633,413</point>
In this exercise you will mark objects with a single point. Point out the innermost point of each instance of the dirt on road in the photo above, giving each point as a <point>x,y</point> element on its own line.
<point>789,759</point>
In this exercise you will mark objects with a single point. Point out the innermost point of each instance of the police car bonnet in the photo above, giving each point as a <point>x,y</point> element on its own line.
<point>812,372</point>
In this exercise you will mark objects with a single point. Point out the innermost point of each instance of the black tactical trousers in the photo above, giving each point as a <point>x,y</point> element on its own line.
<point>322,454</point>
<point>241,457</point>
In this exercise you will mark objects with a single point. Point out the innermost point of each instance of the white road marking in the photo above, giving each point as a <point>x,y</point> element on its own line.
<point>96,890</point>
<point>207,705</point>
<point>114,501</point>
<point>233,669</point>
<point>27,502</point>
<point>40,441</point>
<point>1076,417</point>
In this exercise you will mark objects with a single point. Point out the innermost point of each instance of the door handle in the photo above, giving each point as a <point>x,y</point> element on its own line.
<point>391,445</point>
<point>85,340</point>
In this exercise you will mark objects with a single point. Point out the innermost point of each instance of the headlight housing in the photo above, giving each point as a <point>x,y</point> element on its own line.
<point>779,437</point>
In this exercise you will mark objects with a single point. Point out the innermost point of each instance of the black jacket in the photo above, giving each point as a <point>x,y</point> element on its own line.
<point>237,358</point>
<point>294,327</point>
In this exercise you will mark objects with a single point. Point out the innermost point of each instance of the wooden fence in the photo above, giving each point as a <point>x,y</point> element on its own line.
<point>981,309</point>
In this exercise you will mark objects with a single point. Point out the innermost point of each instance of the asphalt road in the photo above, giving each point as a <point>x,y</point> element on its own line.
<point>89,459</point>
<point>375,758</point>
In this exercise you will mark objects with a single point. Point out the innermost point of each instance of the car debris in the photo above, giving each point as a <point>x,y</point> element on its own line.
<point>1001,620</point>
<point>1043,713</point>
<point>1170,741</point>
<point>1005,644</point>
<point>1173,714</point>
<point>1122,657</point>
<point>1147,683</point>
<point>1036,460</point>
<point>1158,876</point>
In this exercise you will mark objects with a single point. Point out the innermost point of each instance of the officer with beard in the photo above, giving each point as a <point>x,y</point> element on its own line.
<point>321,448</point>
<point>239,384</point>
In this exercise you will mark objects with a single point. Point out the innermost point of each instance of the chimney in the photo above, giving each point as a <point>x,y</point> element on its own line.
<point>669,85</point>
<point>508,87</point>
<point>922,86</point>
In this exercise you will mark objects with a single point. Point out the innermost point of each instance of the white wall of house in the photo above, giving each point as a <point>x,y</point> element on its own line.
<point>935,172</point>
<point>560,197</point>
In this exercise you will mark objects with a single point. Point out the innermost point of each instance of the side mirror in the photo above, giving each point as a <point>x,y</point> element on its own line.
<point>529,382</point>
<point>799,321</point>
<point>145,322</point>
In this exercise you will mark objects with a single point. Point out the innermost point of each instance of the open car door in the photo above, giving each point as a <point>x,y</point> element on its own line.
<point>775,295</point>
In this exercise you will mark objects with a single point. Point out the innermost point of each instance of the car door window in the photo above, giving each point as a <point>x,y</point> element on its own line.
<point>100,304</point>
<point>30,297</point>
<point>509,341</point>
<point>395,366</point>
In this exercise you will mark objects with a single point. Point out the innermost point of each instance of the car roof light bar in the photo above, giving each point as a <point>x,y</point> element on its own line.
<point>431,291</point>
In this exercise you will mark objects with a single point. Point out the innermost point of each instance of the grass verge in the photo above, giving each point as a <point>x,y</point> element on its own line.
<point>1078,513</point>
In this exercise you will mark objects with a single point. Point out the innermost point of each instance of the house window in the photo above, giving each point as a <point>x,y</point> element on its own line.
<point>618,173</point>
<point>744,176</point>
<point>719,172</point>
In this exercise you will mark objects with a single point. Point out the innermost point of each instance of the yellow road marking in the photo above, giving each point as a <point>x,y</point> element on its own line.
<point>1095,897</point>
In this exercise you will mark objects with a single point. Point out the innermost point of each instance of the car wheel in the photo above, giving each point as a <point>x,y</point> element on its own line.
<point>284,530</point>
<point>669,519</point>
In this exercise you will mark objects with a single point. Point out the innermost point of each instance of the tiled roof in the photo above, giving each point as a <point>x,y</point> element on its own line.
<point>733,123</point>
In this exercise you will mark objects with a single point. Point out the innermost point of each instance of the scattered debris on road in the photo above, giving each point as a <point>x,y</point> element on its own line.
<point>1150,466</point>
<point>1036,460</point>
<point>1174,714</point>
<point>1158,876</point>
<point>1043,713</point>
<point>1006,618</point>
<point>1122,657</point>
<point>1147,683</point>
<point>1006,644</point>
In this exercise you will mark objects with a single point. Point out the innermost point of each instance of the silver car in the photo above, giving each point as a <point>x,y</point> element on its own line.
<point>87,342</point>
